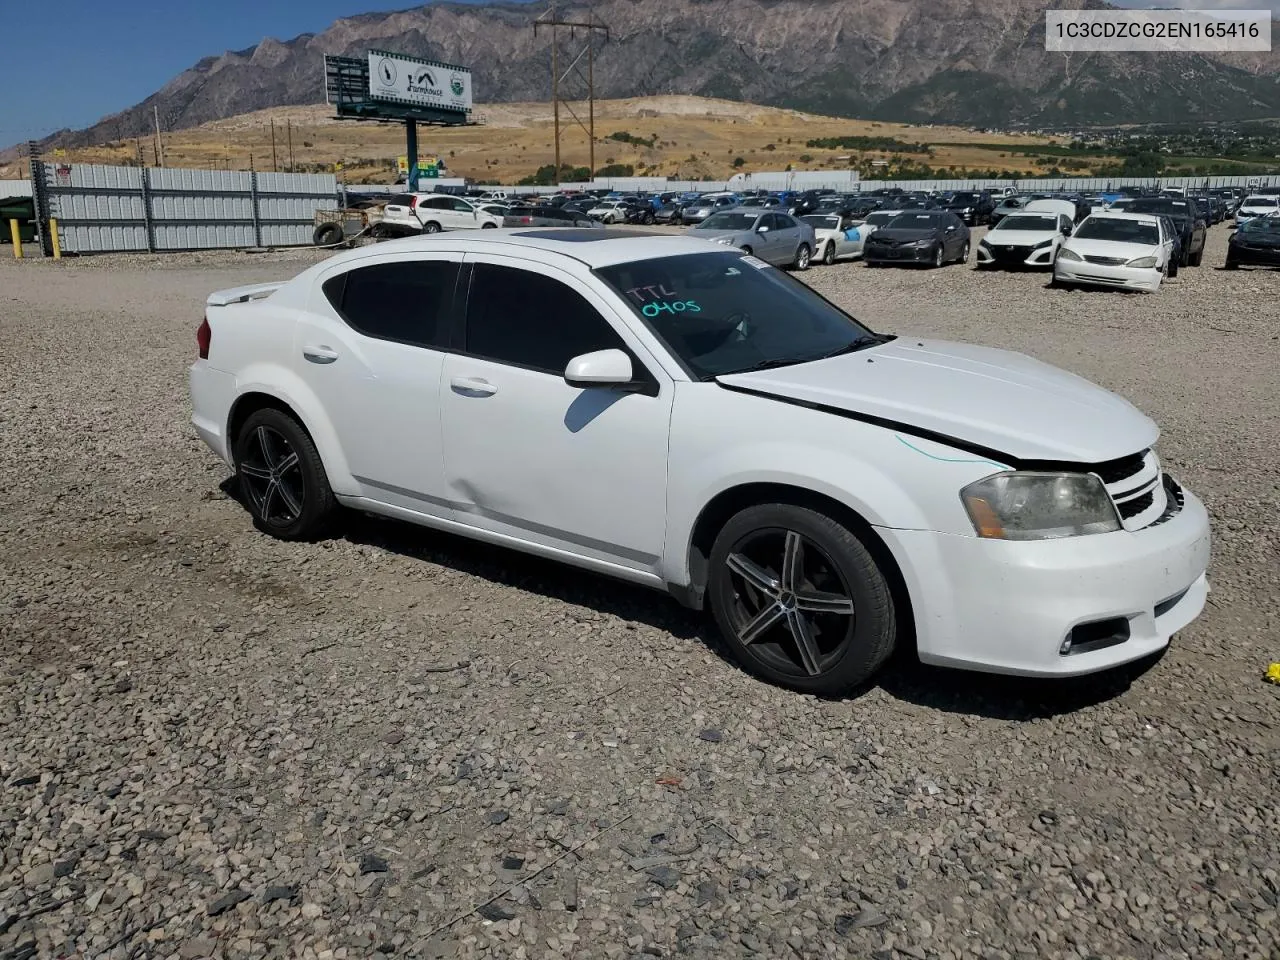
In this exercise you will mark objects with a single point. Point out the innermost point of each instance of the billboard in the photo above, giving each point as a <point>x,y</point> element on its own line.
<point>397,78</point>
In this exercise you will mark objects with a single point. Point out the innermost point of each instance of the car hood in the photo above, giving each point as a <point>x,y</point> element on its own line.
<point>1019,238</point>
<point>1002,401</point>
<point>1256,238</point>
<point>1111,248</point>
<point>729,235</point>
<point>905,236</point>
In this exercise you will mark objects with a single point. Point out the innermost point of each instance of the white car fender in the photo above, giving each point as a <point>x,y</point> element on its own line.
<point>279,381</point>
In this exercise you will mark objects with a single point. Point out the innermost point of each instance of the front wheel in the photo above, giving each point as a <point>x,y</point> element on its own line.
<point>829,255</point>
<point>747,250</point>
<point>1171,268</point>
<point>938,256</point>
<point>803,256</point>
<point>282,478</point>
<point>1195,261</point>
<point>1230,265</point>
<point>964,254</point>
<point>800,600</point>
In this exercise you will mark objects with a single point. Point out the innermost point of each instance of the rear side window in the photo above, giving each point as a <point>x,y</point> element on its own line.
<point>407,302</point>
<point>530,320</point>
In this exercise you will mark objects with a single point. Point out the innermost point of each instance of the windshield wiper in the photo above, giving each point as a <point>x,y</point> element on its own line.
<point>860,344</point>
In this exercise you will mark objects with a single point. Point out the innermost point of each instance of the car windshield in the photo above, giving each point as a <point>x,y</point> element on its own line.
<point>1261,225</point>
<point>1025,221</point>
<point>1262,202</point>
<point>729,220</point>
<point>722,313</point>
<point>916,221</point>
<point>964,198</point>
<point>822,223</point>
<point>1120,229</point>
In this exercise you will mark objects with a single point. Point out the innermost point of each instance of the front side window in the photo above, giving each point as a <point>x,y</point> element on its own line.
<point>530,320</point>
<point>721,313</point>
<point>407,301</point>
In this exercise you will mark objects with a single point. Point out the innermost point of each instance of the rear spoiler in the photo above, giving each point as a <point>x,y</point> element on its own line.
<point>256,291</point>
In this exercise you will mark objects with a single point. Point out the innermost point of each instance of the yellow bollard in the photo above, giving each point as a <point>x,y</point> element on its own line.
<point>17,238</point>
<point>53,235</point>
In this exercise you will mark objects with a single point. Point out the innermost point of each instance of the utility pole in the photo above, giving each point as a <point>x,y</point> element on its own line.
<point>289,130</point>
<point>155,110</point>
<point>274,167</point>
<point>590,27</point>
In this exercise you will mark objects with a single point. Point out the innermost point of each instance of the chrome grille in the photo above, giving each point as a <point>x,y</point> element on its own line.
<point>1137,488</point>
<point>1106,261</point>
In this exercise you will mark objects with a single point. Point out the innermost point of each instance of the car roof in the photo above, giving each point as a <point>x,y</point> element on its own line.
<point>591,246</point>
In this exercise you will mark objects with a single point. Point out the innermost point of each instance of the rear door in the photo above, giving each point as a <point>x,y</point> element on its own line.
<point>371,349</point>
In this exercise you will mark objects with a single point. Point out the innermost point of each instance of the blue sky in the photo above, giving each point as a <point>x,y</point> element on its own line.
<point>75,61</point>
<point>70,62</point>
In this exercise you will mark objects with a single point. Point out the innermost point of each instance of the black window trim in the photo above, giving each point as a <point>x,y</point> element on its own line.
<point>447,317</point>
<point>643,379</point>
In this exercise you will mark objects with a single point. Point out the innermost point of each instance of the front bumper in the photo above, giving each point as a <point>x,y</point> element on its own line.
<point>1010,255</point>
<point>877,253</point>
<point>1254,256</point>
<point>1007,607</point>
<point>1099,275</point>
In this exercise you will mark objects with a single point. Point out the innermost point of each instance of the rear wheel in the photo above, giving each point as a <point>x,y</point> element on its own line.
<point>803,256</point>
<point>747,250</point>
<point>282,478</point>
<point>489,226</point>
<point>800,600</point>
<point>431,227</point>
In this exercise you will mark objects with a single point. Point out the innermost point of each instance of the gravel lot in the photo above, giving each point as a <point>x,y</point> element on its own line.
<point>214,744</point>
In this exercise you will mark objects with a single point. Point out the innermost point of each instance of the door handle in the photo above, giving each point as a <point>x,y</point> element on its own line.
<point>473,386</point>
<point>319,353</point>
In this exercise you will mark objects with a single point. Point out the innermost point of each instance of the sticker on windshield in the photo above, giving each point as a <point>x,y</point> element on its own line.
<point>755,262</point>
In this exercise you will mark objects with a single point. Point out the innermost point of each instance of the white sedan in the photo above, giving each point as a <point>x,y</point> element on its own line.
<point>837,236</point>
<point>685,417</point>
<point>609,211</point>
<point>1131,251</point>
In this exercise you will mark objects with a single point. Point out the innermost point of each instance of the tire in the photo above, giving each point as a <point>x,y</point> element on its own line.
<point>746,248</point>
<point>648,219</point>
<point>939,257</point>
<point>488,226</point>
<point>1196,260</point>
<point>847,645</point>
<point>829,255</point>
<point>1171,269</point>
<point>379,231</point>
<point>327,235</point>
<point>431,227</point>
<point>964,254</point>
<point>1230,265</point>
<point>282,478</point>
<point>803,255</point>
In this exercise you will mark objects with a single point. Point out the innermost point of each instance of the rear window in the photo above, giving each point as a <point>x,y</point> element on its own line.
<point>407,302</point>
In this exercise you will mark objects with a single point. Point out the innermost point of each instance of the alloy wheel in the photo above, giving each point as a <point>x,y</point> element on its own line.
<point>792,606</point>
<point>273,477</point>
<point>802,257</point>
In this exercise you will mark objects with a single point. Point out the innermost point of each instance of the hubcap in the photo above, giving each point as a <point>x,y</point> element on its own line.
<point>791,604</point>
<point>273,476</point>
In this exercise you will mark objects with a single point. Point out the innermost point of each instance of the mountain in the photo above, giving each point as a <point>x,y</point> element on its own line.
<point>973,62</point>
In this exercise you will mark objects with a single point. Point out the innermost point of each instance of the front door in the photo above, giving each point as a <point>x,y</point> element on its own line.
<point>527,455</point>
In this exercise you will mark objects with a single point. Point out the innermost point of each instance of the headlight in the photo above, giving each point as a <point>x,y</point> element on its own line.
<point>1144,263</point>
<point>1041,246</point>
<point>983,245</point>
<point>1066,253</point>
<point>923,243</point>
<point>1039,506</point>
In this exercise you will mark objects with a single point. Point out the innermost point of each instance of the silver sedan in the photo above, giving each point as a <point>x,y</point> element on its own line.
<point>775,237</point>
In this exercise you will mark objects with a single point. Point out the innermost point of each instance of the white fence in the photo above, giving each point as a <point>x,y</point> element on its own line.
<point>108,208</point>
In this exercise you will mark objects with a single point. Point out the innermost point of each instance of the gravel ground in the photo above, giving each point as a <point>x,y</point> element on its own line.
<point>217,745</point>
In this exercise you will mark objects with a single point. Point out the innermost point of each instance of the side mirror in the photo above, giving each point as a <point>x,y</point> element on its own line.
<point>602,368</point>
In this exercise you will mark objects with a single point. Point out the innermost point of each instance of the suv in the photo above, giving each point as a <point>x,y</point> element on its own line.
<point>410,213</point>
<point>680,415</point>
<point>972,208</point>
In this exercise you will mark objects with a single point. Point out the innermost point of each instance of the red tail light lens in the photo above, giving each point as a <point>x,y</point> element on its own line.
<point>204,335</point>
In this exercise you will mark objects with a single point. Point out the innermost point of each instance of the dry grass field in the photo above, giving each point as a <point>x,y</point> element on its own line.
<point>696,138</point>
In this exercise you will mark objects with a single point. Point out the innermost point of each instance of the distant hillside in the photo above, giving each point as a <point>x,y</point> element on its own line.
<point>975,62</point>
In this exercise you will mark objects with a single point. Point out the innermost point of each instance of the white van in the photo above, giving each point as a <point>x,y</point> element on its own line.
<point>1052,206</point>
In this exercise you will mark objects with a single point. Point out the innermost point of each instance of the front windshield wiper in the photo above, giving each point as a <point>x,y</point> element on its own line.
<point>861,343</point>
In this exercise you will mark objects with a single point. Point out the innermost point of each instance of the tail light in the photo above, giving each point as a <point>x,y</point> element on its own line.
<point>204,335</point>
<point>526,220</point>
